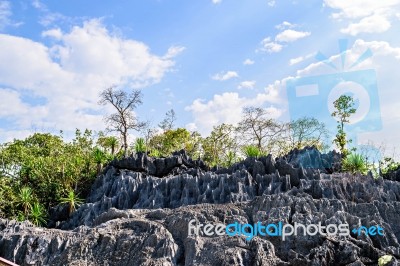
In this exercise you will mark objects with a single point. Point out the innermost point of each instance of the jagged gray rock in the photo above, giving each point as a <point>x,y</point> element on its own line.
<point>134,218</point>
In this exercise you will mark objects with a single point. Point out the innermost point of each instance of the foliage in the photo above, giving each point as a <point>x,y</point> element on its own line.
<point>99,157</point>
<point>155,153</point>
<point>109,143</point>
<point>220,147</point>
<point>388,165</point>
<point>72,200</point>
<point>40,168</point>
<point>38,214</point>
<point>8,197</point>
<point>382,261</point>
<point>231,158</point>
<point>25,199</point>
<point>140,145</point>
<point>344,108</point>
<point>251,151</point>
<point>171,141</point>
<point>355,163</point>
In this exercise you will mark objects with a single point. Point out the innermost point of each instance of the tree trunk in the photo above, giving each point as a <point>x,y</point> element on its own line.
<point>125,143</point>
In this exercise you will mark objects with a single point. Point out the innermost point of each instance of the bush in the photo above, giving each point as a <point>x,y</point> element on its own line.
<point>140,145</point>
<point>251,151</point>
<point>155,153</point>
<point>388,166</point>
<point>355,163</point>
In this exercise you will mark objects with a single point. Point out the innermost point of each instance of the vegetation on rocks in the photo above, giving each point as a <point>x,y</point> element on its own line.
<point>45,170</point>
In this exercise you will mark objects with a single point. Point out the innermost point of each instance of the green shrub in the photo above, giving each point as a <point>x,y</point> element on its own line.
<point>72,200</point>
<point>140,145</point>
<point>355,163</point>
<point>38,214</point>
<point>230,159</point>
<point>251,151</point>
<point>155,153</point>
<point>388,165</point>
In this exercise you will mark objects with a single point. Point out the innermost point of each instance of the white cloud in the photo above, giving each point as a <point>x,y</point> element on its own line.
<point>174,51</point>
<point>285,25</point>
<point>224,108</point>
<point>291,35</point>
<point>70,74</point>
<point>299,59</point>
<point>282,38</point>
<point>227,107</point>
<point>216,1</point>
<point>39,5</point>
<point>248,84</point>
<point>270,46</point>
<point>225,76</point>
<point>248,62</point>
<point>271,3</point>
<point>5,14</point>
<point>53,33</point>
<point>373,16</point>
<point>375,23</point>
<point>191,127</point>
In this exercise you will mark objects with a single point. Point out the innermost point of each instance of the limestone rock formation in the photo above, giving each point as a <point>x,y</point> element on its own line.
<point>139,209</point>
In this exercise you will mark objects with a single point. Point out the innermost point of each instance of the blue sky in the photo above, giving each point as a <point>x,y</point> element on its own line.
<point>205,59</point>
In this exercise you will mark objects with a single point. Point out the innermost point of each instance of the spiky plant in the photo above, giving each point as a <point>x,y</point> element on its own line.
<point>251,151</point>
<point>113,143</point>
<point>140,145</point>
<point>355,163</point>
<point>25,199</point>
<point>38,214</point>
<point>72,200</point>
<point>99,157</point>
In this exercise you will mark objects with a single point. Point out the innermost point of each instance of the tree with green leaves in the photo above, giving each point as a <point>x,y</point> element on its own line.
<point>220,146</point>
<point>170,141</point>
<point>344,108</point>
<point>41,167</point>
<point>124,119</point>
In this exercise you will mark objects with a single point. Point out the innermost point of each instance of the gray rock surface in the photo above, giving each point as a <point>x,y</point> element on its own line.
<point>139,209</point>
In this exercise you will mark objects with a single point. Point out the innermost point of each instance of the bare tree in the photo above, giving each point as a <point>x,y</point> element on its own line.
<point>124,118</point>
<point>168,121</point>
<point>256,127</point>
<point>307,132</point>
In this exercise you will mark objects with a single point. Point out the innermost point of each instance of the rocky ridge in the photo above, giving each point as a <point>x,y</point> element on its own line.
<point>138,212</point>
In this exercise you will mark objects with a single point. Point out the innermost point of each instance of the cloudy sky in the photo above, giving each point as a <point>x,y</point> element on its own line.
<point>206,59</point>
